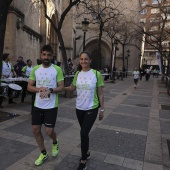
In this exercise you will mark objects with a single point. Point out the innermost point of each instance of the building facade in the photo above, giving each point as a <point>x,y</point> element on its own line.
<point>156,22</point>
<point>28,30</point>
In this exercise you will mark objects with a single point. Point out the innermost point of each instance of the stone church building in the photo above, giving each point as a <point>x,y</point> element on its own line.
<point>28,30</point>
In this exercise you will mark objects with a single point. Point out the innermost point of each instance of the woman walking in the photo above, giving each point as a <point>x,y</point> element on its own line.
<point>89,85</point>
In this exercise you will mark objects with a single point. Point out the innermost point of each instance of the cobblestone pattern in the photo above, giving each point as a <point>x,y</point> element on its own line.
<point>12,151</point>
<point>165,127</point>
<point>69,113</point>
<point>137,111</point>
<point>162,95</point>
<point>118,143</point>
<point>26,125</point>
<point>71,163</point>
<point>163,101</point>
<point>164,114</point>
<point>126,122</point>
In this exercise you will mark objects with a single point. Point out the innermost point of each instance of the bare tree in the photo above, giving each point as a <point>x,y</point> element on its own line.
<point>156,28</point>
<point>4,6</point>
<point>58,27</point>
<point>98,13</point>
<point>123,31</point>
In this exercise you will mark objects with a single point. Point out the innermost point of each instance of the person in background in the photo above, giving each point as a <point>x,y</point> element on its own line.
<point>106,71</point>
<point>135,76</point>
<point>26,70</point>
<point>141,73</point>
<point>7,72</point>
<point>54,60</point>
<point>39,61</point>
<point>19,65</point>
<point>89,85</point>
<point>46,80</point>
<point>147,74</point>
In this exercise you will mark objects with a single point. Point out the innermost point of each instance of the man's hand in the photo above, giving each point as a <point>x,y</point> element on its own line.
<point>44,92</point>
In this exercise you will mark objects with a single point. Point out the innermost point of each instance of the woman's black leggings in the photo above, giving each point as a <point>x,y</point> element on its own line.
<point>86,120</point>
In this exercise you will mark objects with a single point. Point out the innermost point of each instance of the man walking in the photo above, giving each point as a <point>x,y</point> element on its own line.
<point>46,80</point>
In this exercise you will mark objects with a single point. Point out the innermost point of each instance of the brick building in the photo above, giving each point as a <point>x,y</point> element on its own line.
<point>155,18</point>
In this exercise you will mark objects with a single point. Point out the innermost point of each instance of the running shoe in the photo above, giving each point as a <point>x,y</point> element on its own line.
<point>82,166</point>
<point>88,156</point>
<point>55,149</point>
<point>41,159</point>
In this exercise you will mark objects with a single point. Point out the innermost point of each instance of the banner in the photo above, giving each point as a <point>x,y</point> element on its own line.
<point>158,57</point>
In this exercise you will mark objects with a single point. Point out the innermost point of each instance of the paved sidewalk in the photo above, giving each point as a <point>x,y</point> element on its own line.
<point>133,134</point>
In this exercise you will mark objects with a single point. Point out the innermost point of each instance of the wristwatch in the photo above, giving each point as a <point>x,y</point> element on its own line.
<point>51,90</point>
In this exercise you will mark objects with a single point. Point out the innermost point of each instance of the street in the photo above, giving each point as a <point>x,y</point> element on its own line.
<point>134,133</point>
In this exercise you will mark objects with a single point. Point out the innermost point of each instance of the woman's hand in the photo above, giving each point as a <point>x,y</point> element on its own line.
<point>101,114</point>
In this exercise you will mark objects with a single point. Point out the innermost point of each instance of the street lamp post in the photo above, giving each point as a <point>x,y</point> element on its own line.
<point>127,58</point>
<point>85,24</point>
<point>165,54</point>
<point>114,62</point>
<point>140,61</point>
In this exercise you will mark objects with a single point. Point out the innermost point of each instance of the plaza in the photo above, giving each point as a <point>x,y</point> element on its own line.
<point>134,133</point>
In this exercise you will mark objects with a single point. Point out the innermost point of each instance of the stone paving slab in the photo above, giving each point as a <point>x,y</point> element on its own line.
<point>137,103</point>
<point>126,122</point>
<point>140,98</point>
<point>69,113</point>
<point>11,151</point>
<point>142,111</point>
<point>165,127</point>
<point>164,114</point>
<point>135,128</point>
<point>26,125</point>
<point>143,93</point>
<point>165,101</point>
<point>120,144</point>
<point>71,163</point>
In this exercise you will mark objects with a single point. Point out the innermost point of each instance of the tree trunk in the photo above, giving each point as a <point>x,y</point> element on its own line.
<point>4,6</point>
<point>99,46</point>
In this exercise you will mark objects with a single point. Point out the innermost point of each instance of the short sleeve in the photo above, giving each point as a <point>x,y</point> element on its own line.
<point>60,76</point>
<point>99,79</point>
<point>32,74</point>
<point>24,69</point>
<point>75,78</point>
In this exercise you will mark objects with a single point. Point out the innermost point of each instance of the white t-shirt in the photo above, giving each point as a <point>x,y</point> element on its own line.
<point>136,74</point>
<point>27,70</point>
<point>7,69</point>
<point>86,83</point>
<point>46,77</point>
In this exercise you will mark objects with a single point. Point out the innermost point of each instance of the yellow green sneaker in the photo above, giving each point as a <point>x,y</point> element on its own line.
<point>41,159</point>
<point>55,149</point>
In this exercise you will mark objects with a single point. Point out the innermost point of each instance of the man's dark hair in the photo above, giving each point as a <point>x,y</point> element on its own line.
<point>5,56</point>
<point>28,60</point>
<point>47,48</point>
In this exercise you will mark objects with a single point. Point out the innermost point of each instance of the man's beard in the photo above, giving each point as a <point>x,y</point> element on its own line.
<point>46,62</point>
